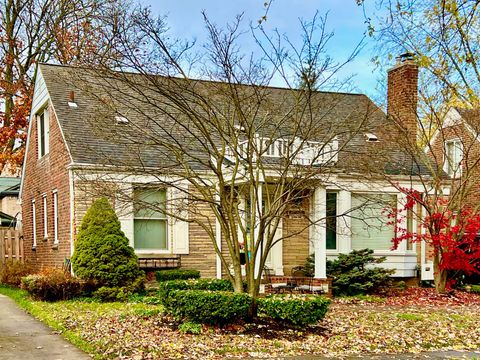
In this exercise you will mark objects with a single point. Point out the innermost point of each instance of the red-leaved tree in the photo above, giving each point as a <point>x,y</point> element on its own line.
<point>451,236</point>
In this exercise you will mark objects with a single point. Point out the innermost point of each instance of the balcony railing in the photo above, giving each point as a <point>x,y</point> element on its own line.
<point>300,151</point>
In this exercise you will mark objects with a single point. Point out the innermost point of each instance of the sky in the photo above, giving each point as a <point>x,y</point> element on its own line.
<point>345,19</point>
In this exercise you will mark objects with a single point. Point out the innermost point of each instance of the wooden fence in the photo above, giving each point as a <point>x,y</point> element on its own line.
<point>11,246</point>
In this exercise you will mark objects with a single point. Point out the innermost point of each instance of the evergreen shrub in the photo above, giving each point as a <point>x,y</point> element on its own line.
<point>358,273</point>
<point>102,253</point>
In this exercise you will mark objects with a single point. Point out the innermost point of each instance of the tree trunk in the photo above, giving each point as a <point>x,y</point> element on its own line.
<point>440,275</point>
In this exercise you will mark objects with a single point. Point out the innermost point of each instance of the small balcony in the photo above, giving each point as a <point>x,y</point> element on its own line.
<point>301,152</point>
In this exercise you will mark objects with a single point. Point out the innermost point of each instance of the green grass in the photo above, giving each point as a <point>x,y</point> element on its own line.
<point>57,314</point>
<point>410,317</point>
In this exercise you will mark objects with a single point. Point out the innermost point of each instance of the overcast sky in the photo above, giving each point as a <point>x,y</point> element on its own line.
<point>345,18</point>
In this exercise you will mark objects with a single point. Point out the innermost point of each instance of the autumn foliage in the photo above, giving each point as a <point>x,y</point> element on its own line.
<point>451,236</point>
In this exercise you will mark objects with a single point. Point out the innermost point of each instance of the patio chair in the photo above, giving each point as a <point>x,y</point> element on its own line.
<point>277,288</point>
<point>302,280</point>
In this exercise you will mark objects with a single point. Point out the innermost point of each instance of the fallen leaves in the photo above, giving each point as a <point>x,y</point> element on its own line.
<point>414,321</point>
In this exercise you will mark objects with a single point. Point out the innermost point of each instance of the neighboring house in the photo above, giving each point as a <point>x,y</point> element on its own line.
<point>63,150</point>
<point>10,207</point>
<point>456,148</point>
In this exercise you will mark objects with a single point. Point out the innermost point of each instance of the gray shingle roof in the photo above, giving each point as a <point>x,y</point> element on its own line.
<point>94,137</point>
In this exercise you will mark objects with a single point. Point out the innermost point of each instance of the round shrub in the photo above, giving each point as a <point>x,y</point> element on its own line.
<point>102,252</point>
<point>297,310</point>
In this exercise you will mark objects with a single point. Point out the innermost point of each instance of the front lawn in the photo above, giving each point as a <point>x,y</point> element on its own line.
<point>141,331</point>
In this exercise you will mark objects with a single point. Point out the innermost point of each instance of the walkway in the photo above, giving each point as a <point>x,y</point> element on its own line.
<point>23,337</point>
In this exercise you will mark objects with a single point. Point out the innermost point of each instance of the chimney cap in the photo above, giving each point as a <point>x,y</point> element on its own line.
<point>408,56</point>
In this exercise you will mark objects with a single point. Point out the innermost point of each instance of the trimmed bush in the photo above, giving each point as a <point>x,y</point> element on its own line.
<point>357,273</point>
<point>475,289</point>
<point>166,287</point>
<point>190,328</point>
<point>176,274</point>
<point>102,253</point>
<point>208,307</point>
<point>12,272</point>
<point>297,310</point>
<point>53,286</point>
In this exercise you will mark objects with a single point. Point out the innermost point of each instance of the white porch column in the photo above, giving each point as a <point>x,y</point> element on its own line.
<point>319,233</point>
<point>218,239</point>
<point>402,225</point>
<point>344,224</point>
<point>256,231</point>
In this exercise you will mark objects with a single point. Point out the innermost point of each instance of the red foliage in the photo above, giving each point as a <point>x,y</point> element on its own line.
<point>451,236</point>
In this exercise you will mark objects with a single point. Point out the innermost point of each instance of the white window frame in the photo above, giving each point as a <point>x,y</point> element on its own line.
<point>167,227</point>
<point>45,217</point>
<point>55,216</point>
<point>456,170</point>
<point>34,224</point>
<point>42,151</point>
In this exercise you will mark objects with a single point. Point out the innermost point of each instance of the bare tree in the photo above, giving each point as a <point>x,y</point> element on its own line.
<point>239,153</point>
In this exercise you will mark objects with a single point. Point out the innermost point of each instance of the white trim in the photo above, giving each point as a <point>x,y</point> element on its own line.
<point>45,216</point>
<point>72,211</point>
<point>457,171</point>
<point>55,216</point>
<point>34,223</point>
<point>218,240</point>
<point>319,243</point>
<point>452,118</point>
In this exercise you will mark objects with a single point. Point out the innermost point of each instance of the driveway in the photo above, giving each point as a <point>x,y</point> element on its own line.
<point>23,337</point>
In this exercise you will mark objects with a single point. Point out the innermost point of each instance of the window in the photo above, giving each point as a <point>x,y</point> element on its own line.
<point>34,223</point>
<point>331,221</point>
<point>45,217</point>
<point>43,130</point>
<point>150,222</point>
<point>55,217</point>
<point>370,228</point>
<point>453,157</point>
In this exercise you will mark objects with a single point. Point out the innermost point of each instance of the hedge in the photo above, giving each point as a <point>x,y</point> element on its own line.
<point>166,287</point>
<point>176,274</point>
<point>208,307</point>
<point>297,310</point>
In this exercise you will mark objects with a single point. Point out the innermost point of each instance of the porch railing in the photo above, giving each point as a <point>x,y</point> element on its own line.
<point>300,151</point>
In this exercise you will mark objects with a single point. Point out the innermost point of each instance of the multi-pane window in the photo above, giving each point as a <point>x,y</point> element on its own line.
<point>150,222</point>
<point>55,217</point>
<point>34,223</point>
<point>45,217</point>
<point>370,222</point>
<point>331,221</point>
<point>453,157</point>
<point>43,133</point>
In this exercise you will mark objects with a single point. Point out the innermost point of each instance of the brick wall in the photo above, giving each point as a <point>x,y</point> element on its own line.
<point>201,255</point>
<point>471,169</point>
<point>42,176</point>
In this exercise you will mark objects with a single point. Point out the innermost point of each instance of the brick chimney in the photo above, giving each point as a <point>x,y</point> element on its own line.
<point>402,94</point>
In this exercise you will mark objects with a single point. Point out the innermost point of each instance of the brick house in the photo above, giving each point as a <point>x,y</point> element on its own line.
<point>455,147</point>
<point>63,152</point>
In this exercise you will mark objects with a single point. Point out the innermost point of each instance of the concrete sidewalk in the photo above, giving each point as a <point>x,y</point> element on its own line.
<point>23,337</point>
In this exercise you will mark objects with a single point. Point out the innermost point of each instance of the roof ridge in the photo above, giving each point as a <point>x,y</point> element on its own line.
<point>205,80</point>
